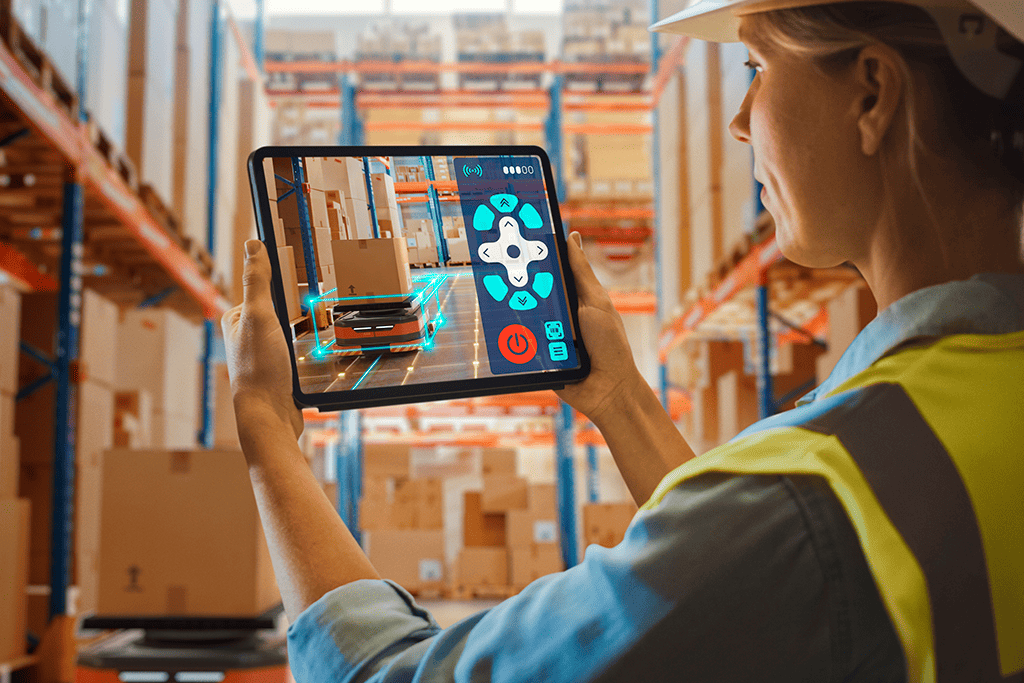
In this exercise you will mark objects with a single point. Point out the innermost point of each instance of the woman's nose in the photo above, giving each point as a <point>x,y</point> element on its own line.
<point>740,125</point>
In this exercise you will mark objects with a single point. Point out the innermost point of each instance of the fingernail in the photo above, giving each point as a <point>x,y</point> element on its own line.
<point>251,247</point>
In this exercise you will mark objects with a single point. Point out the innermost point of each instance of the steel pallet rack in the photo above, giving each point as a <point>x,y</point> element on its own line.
<point>98,203</point>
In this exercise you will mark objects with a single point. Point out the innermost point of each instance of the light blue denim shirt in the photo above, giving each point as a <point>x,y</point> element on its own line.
<point>729,578</point>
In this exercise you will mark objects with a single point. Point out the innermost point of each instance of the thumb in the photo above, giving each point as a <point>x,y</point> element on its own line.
<point>256,277</point>
<point>588,288</point>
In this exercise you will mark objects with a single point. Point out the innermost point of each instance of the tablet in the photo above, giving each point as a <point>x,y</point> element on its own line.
<point>409,274</point>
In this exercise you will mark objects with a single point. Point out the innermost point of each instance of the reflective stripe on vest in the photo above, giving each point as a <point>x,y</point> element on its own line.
<point>906,496</point>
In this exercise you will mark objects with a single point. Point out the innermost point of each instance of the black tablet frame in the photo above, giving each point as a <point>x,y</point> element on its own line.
<point>350,399</point>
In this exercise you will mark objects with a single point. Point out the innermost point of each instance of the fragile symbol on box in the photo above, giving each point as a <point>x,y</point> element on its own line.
<point>430,570</point>
<point>544,531</point>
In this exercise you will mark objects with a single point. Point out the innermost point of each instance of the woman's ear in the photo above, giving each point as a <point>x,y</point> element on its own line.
<point>880,84</point>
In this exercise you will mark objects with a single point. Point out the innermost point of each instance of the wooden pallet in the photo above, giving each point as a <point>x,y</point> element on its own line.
<point>36,62</point>
<point>165,216</point>
<point>428,593</point>
<point>464,592</point>
<point>114,156</point>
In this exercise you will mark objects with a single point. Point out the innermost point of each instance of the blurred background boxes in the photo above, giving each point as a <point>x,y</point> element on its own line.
<point>605,524</point>
<point>413,558</point>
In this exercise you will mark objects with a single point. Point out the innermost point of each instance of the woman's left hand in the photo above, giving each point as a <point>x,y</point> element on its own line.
<point>257,351</point>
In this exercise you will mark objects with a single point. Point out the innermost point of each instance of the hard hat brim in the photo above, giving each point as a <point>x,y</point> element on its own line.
<point>717,21</point>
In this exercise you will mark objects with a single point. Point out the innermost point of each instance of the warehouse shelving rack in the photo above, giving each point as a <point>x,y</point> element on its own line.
<point>60,173</point>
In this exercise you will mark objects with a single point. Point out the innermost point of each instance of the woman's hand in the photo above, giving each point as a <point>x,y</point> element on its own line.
<point>257,352</point>
<point>613,372</point>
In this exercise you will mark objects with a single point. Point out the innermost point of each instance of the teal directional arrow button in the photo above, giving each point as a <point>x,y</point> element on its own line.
<point>522,301</point>
<point>483,218</point>
<point>530,217</point>
<point>496,287</point>
<point>542,284</point>
<point>504,202</point>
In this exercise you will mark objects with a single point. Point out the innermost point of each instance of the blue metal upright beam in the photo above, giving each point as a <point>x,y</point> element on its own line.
<point>65,415</point>
<point>347,134</point>
<point>593,474</point>
<point>434,210</point>
<point>553,138</point>
<point>305,229</point>
<point>349,469</point>
<point>566,482</point>
<point>765,393</point>
<point>659,285</point>
<point>374,223</point>
<point>257,36</point>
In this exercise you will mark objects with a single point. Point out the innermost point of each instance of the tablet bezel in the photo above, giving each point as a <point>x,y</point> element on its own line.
<point>433,391</point>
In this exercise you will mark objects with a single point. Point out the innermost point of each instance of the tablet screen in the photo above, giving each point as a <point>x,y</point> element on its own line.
<point>419,269</point>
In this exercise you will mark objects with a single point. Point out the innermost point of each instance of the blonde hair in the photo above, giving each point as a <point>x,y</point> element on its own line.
<point>979,137</point>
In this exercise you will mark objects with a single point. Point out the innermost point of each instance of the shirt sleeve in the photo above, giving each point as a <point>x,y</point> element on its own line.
<point>721,580</point>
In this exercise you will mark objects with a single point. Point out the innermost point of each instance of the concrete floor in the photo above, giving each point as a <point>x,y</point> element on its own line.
<point>456,351</point>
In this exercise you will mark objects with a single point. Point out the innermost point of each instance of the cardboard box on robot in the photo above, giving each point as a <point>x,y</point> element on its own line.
<point>372,268</point>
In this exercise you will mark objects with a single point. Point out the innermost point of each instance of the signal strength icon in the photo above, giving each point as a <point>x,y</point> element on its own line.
<point>477,170</point>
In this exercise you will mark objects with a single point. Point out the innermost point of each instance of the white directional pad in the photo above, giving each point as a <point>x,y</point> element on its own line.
<point>513,251</point>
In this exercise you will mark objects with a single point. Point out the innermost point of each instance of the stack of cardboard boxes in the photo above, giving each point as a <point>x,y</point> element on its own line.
<point>420,242</point>
<point>402,520</point>
<point>605,524</point>
<point>389,218</point>
<point>455,234</point>
<point>15,513</point>
<point>510,529</point>
<point>597,31</point>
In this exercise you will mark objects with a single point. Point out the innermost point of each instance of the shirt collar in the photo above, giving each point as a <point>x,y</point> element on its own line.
<point>986,303</point>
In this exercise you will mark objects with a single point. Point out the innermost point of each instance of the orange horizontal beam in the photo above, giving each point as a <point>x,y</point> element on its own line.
<point>667,66</point>
<point>452,125</point>
<point>419,67</point>
<point>248,61</point>
<point>750,271</point>
<point>598,212</point>
<point>818,326</point>
<point>634,303</point>
<point>23,272</point>
<point>420,187</point>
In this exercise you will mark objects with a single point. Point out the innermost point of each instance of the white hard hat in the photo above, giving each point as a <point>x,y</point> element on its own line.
<point>969,29</point>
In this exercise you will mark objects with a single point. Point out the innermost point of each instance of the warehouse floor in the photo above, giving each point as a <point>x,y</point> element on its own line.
<point>455,350</point>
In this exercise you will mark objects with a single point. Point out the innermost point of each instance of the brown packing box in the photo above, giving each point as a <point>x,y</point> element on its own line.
<point>321,238</point>
<point>498,461</point>
<point>385,460</point>
<point>98,335</point>
<point>345,174</point>
<point>95,435</point>
<point>412,558</point>
<point>606,523</point>
<point>419,504</point>
<point>524,528</point>
<point>180,534</point>
<point>383,190</point>
<point>529,563</point>
<point>10,314</point>
<point>290,280</point>
<point>376,514</point>
<point>544,500</point>
<point>14,549</point>
<point>9,456</point>
<point>483,567</point>
<point>478,527</point>
<point>133,419</point>
<point>504,492</point>
<point>357,212</point>
<point>372,268</point>
<point>458,250</point>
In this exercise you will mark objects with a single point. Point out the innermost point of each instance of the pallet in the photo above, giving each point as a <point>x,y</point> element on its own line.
<point>36,62</point>
<point>462,592</point>
<point>428,593</point>
<point>114,156</point>
<point>164,215</point>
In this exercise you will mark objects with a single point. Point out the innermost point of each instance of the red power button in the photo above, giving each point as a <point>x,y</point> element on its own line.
<point>517,344</point>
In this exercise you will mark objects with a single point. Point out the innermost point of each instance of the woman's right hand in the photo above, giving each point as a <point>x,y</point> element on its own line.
<point>613,372</point>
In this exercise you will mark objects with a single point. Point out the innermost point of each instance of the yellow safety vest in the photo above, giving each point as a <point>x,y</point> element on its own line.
<point>925,451</point>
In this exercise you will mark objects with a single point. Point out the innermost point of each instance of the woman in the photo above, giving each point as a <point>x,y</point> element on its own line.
<point>874,533</point>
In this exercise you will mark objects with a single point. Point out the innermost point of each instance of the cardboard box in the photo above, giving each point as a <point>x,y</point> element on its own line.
<point>498,461</point>
<point>133,419</point>
<point>97,338</point>
<point>372,268</point>
<point>483,567</point>
<point>181,535</point>
<point>480,528</point>
<point>605,524</point>
<point>321,238</point>
<point>290,280</point>
<point>375,514</point>
<point>544,500</point>
<point>529,563</point>
<point>419,504</point>
<point>385,460</point>
<point>384,191</point>
<point>458,250</point>
<point>504,492</point>
<point>345,174</point>
<point>10,336</point>
<point>158,351</point>
<point>9,455</point>
<point>14,548</point>
<point>412,558</point>
<point>526,528</point>
<point>174,432</point>
<point>357,212</point>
